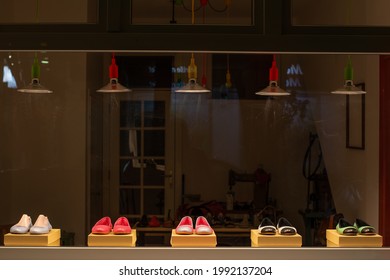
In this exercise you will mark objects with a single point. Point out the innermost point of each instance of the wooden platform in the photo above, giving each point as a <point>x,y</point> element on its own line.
<point>193,240</point>
<point>284,241</point>
<point>50,239</point>
<point>112,240</point>
<point>334,239</point>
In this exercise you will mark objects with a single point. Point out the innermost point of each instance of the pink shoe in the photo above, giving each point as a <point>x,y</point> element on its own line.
<point>185,226</point>
<point>202,226</point>
<point>122,226</point>
<point>103,226</point>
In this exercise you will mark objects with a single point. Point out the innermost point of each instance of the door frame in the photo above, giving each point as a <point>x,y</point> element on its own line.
<point>384,150</point>
<point>112,186</point>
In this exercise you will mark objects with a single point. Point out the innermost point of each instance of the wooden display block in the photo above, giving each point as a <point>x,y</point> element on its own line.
<point>334,239</point>
<point>113,240</point>
<point>259,240</point>
<point>50,239</point>
<point>193,240</point>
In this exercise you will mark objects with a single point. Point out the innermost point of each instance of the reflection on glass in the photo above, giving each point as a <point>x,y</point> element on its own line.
<point>48,11</point>
<point>130,114</point>
<point>154,172</point>
<point>130,172</point>
<point>154,115</point>
<point>218,12</point>
<point>8,77</point>
<point>129,201</point>
<point>130,143</point>
<point>154,141</point>
<point>340,13</point>
<point>154,201</point>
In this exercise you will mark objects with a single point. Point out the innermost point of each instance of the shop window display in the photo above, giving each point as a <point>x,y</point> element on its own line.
<point>231,157</point>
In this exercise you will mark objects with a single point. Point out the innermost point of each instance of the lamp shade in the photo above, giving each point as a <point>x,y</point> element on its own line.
<point>35,85</point>
<point>348,88</point>
<point>192,86</point>
<point>113,86</point>
<point>273,89</point>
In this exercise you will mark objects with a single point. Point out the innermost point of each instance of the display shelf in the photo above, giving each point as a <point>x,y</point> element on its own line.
<point>277,240</point>
<point>193,240</point>
<point>168,253</point>
<point>333,239</point>
<point>50,239</point>
<point>225,235</point>
<point>112,240</point>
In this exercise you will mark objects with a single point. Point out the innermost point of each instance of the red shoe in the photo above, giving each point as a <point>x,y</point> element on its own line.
<point>185,226</point>
<point>202,226</point>
<point>103,226</point>
<point>154,222</point>
<point>122,226</point>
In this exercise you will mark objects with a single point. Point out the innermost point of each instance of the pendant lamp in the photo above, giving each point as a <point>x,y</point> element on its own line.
<point>35,85</point>
<point>192,86</point>
<point>273,89</point>
<point>113,86</point>
<point>349,88</point>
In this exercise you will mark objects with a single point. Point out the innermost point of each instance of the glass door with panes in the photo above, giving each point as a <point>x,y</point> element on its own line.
<point>141,176</point>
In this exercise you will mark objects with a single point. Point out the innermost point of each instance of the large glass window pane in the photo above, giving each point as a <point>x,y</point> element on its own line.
<point>219,12</point>
<point>340,13</point>
<point>43,143</point>
<point>48,11</point>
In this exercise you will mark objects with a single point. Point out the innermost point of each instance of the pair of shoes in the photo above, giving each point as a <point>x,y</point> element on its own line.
<point>104,226</point>
<point>283,227</point>
<point>41,225</point>
<point>186,226</point>
<point>343,227</point>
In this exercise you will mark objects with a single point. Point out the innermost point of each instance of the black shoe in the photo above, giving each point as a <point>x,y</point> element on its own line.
<point>363,228</point>
<point>285,227</point>
<point>267,227</point>
<point>345,228</point>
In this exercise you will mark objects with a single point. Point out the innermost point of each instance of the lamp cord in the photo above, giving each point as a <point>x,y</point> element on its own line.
<point>349,12</point>
<point>37,11</point>
<point>227,4</point>
<point>193,11</point>
<point>219,10</point>
<point>190,9</point>
<point>192,21</point>
<point>306,167</point>
<point>173,20</point>
<point>35,72</point>
<point>204,58</point>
